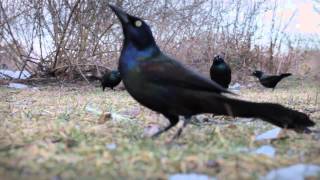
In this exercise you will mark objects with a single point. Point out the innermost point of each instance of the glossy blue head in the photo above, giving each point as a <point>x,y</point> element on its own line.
<point>135,30</point>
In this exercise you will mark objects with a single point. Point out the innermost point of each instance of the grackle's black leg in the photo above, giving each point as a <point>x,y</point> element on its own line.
<point>187,120</point>
<point>173,121</point>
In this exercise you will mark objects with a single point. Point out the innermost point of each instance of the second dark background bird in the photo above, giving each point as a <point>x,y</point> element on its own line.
<point>269,81</point>
<point>110,79</point>
<point>220,71</point>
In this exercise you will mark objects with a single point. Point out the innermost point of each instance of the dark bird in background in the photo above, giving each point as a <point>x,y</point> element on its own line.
<point>269,81</point>
<point>110,79</point>
<point>220,71</point>
<point>165,85</point>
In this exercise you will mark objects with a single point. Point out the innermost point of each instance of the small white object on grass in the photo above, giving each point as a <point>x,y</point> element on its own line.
<point>150,130</point>
<point>235,86</point>
<point>119,117</point>
<point>269,135</point>
<point>296,172</point>
<point>111,146</point>
<point>91,109</point>
<point>266,150</point>
<point>191,176</point>
<point>14,74</point>
<point>17,86</point>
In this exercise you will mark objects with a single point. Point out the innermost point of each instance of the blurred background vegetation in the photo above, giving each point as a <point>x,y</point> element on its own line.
<point>68,39</point>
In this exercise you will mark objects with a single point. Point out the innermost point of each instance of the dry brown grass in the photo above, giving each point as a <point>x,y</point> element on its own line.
<point>50,134</point>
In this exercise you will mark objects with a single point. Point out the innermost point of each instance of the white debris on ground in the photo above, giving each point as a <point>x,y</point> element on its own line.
<point>269,135</point>
<point>94,110</point>
<point>119,117</point>
<point>267,150</point>
<point>4,73</point>
<point>296,172</point>
<point>235,86</point>
<point>111,146</point>
<point>17,86</point>
<point>191,176</point>
<point>150,130</point>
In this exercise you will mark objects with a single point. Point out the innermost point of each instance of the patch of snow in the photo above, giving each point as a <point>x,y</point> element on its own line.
<point>271,134</point>
<point>111,146</point>
<point>17,86</point>
<point>191,176</point>
<point>14,74</point>
<point>93,110</point>
<point>266,150</point>
<point>296,172</point>
<point>235,86</point>
<point>35,89</point>
<point>118,117</point>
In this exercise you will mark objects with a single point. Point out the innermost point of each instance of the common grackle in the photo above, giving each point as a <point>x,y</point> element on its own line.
<point>269,81</point>
<point>220,71</point>
<point>110,79</point>
<point>168,87</point>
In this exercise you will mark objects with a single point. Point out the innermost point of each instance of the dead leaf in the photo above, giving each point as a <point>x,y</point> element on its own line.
<point>104,117</point>
<point>214,165</point>
<point>232,126</point>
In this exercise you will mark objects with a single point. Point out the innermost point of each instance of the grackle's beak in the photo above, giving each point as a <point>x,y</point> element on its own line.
<point>123,16</point>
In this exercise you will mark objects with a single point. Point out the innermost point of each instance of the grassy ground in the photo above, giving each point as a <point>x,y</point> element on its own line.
<point>51,133</point>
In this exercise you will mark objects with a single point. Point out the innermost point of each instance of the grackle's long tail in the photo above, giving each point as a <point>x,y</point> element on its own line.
<point>273,113</point>
<point>285,75</point>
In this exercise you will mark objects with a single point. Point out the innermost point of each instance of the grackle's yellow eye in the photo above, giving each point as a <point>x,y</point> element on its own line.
<point>138,23</point>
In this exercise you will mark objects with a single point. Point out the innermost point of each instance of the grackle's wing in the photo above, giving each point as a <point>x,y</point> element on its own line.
<point>169,72</point>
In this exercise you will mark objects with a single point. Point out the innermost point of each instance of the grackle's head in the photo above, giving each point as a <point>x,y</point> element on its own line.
<point>257,74</point>
<point>135,30</point>
<point>218,59</point>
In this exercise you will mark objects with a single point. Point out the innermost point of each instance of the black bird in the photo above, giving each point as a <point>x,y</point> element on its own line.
<point>168,87</point>
<point>220,71</point>
<point>110,79</point>
<point>269,81</point>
